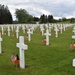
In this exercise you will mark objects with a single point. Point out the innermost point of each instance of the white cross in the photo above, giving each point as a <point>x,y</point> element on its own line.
<point>22,47</point>
<point>32,29</point>
<point>56,30</point>
<point>23,28</point>
<point>2,30</point>
<point>64,27</point>
<point>74,28</point>
<point>8,31</point>
<point>17,30</point>
<point>47,36</point>
<point>50,28</point>
<point>73,31</point>
<point>29,35</point>
<point>61,28</point>
<point>0,44</point>
<point>42,30</point>
<point>12,27</point>
<point>73,63</point>
<point>73,36</point>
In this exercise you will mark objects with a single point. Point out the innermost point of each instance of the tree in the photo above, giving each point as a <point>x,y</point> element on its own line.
<point>22,15</point>
<point>5,15</point>
<point>30,19</point>
<point>72,20</point>
<point>50,18</point>
<point>36,19</point>
<point>43,19</point>
<point>46,19</point>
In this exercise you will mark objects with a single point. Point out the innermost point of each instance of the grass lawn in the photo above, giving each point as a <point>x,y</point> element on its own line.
<point>55,59</point>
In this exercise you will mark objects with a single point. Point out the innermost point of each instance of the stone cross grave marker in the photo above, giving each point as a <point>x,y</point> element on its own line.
<point>56,30</point>
<point>17,30</point>
<point>29,35</point>
<point>64,27</point>
<point>42,30</point>
<point>61,28</point>
<point>8,31</point>
<point>12,27</point>
<point>23,28</point>
<point>74,28</point>
<point>50,27</point>
<point>22,47</point>
<point>0,44</point>
<point>2,30</point>
<point>32,29</point>
<point>47,36</point>
<point>73,31</point>
<point>73,63</point>
<point>73,36</point>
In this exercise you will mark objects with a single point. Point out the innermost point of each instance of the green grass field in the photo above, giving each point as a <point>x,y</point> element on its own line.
<point>55,59</point>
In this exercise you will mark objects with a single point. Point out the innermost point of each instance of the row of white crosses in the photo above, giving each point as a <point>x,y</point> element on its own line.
<point>73,30</point>
<point>32,28</point>
<point>16,27</point>
<point>47,34</point>
<point>56,29</point>
<point>73,36</point>
<point>60,27</point>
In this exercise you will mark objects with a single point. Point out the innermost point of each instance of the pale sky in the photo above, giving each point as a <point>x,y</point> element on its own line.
<point>57,8</point>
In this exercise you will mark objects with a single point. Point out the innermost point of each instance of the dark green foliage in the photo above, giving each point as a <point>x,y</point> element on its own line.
<point>46,19</point>
<point>23,16</point>
<point>30,19</point>
<point>36,19</point>
<point>5,15</point>
<point>72,20</point>
<point>43,18</point>
<point>50,18</point>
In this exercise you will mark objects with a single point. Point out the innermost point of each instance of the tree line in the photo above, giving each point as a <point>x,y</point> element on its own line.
<point>22,16</point>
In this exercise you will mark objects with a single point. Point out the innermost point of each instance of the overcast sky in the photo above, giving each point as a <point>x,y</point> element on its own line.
<point>57,8</point>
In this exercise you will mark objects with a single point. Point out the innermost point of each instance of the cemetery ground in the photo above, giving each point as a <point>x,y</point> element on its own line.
<point>55,59</point>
